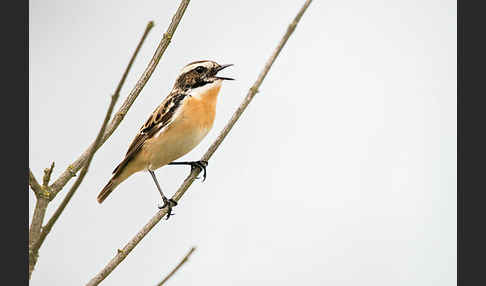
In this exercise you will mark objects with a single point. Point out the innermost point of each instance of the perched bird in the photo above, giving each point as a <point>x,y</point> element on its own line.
<point>175,127</point>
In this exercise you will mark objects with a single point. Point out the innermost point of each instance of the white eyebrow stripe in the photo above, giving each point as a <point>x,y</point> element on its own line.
<point>193,66</point>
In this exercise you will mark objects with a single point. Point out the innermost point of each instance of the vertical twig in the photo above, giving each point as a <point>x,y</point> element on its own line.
<point>122,254</point>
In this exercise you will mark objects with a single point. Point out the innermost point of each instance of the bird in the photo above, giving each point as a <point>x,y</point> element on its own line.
<point>174,128</point>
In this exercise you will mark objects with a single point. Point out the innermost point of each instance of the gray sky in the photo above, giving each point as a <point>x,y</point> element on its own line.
<point>342,171</point>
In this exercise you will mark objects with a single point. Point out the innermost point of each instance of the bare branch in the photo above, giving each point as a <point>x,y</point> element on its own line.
<point>35,229</point>
<point>34,185</point>
<point>251,93</point>
<point>122,254</point>
<point>118,117</point>
<point>37,217</point>
<point>39,237</point>
<point>184,260</point>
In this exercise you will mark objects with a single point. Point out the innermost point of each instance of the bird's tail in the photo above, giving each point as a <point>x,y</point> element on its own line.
<point>120,174</point>
<point>107,190</point>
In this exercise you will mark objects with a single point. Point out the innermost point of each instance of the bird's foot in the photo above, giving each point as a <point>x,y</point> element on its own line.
<point>202,166</point>
<point>169,203</point>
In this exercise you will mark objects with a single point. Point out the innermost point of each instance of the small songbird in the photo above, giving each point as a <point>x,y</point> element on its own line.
<point>176,126</point>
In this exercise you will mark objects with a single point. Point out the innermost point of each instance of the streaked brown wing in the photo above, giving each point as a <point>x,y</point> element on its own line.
<point>162,116</point>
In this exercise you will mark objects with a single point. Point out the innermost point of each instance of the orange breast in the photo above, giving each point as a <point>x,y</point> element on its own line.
<point>200,108</point>
<point>193,123</point>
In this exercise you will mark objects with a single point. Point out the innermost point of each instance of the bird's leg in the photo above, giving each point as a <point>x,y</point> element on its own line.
<point>194,164</point>
<point>169,203</point>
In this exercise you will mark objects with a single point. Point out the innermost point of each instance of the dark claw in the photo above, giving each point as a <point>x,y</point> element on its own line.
<point>169,213</point>
<point>202,166</point>
<point>169,203</point>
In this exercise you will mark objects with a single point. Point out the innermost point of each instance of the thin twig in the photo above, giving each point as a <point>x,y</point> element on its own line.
<point>122,254</point>
<point>118,117</point>
<point>36,244</point>
<point>251,93</point>
<point>184,260</point>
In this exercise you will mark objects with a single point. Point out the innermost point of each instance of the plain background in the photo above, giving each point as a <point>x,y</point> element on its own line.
<point>342,171</point>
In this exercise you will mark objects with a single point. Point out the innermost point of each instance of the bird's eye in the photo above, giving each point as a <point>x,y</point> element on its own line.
<point>200,69</point>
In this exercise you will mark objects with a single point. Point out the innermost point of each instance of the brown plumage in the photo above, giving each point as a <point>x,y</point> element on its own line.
<point>176,126</point>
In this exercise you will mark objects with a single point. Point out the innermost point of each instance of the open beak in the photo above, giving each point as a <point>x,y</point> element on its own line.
<point>221,68</point>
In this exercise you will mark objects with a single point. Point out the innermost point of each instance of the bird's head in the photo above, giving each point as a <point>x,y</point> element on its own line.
<point>200,73</point>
